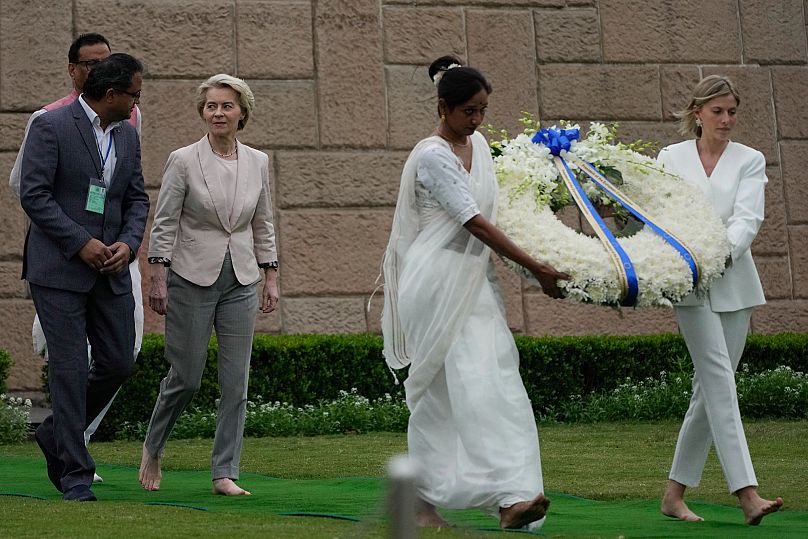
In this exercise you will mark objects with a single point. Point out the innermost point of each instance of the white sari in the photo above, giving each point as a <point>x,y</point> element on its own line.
<point>471,433</point>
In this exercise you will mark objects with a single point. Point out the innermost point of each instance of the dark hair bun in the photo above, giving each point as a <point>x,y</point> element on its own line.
<point>442,64</point>
<point>458,84</point>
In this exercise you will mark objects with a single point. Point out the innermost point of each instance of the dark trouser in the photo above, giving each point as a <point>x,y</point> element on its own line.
<point>79,392</point>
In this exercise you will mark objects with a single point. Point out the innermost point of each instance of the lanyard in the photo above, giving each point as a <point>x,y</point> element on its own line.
<point>104,157</point>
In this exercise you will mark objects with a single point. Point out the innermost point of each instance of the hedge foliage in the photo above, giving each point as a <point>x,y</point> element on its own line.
<point>5,365</point>
<point>296,369</point>
<point>305,369</point>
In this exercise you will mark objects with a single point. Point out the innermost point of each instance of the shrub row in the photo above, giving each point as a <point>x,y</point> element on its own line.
<point>349,413</point>
<point>781,393</point>
<point>556,369</point>
<point>295,369</point>
<point>5,365</point>
<point>306,369</point>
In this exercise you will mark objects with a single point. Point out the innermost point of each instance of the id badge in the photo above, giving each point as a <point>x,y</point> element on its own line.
<point>96,196</point>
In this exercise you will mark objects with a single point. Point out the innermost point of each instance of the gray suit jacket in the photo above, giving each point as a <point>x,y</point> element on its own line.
<point>60,157</point>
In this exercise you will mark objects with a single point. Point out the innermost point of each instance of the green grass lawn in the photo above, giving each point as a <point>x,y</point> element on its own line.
<point>607,461</point>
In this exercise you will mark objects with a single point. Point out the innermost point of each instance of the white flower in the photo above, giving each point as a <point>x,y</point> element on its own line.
<point>439,75</point>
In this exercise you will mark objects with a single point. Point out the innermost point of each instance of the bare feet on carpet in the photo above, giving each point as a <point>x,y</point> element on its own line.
<point>673,503</point>
<point>754,507</point>
<point>227,487</point>
<point>521,514</point>
<point>428,517</point>
<point>679,509</point>
<point>150,473</point>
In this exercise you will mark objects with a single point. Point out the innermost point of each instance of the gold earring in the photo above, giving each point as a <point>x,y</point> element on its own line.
<point>442,117</point>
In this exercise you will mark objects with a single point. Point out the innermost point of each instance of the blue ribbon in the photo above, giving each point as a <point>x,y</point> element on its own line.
<point>601,181</point>
<point>628,275</point>
<point>556,139</point>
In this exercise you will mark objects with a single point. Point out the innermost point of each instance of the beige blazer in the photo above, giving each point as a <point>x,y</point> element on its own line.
<point>736,191</point>
<point>193,228</point>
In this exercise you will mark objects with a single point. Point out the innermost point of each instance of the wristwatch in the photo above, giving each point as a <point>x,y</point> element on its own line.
<point>160,260</point>
<point>269,265</point>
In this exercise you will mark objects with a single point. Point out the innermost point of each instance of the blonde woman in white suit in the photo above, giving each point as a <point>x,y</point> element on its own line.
<point>213,230</point>
<point>733,178</point>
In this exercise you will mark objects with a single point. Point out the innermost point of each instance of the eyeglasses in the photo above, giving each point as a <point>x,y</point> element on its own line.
<point>88,64</point>
<point>135,95</point>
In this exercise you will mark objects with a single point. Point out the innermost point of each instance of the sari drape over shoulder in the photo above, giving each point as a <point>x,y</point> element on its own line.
<point>471,433</point>
<point>422,338</point>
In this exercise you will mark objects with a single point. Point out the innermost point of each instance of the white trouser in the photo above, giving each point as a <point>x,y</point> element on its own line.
<point>715,342</point>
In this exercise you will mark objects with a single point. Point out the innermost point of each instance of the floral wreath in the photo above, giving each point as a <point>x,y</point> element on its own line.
<point>673,242</point>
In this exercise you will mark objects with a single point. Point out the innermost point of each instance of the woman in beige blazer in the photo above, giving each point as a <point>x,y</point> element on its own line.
<point>732,177</point>
<point>213,231</point>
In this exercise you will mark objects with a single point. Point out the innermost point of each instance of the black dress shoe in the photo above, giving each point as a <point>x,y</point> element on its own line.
<point>54,465</point>
<point>79,493</point>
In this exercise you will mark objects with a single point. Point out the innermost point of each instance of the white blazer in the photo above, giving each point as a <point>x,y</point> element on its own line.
<point>192,225</point>
<point>736,191</point>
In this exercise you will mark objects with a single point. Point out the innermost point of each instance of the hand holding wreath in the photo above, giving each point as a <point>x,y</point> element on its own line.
<point>548,278</point>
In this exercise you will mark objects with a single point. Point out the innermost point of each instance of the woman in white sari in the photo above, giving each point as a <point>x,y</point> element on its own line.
<point>472,434</point>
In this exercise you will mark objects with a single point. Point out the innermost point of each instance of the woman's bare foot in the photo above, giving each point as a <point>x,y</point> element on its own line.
<point>679,509</point>
<point>754,507</point>
<point>150,473</point>
<point>227,487</point>
<point>428,517</point>
<point>673,503</point>
<point>521,514</point>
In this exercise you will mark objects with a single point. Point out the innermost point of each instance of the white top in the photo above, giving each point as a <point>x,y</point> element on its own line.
<point>736,191</point>
<point>440,179</point>
<point>427,228</point>
<point>105,142</point>
<point>227,170</point>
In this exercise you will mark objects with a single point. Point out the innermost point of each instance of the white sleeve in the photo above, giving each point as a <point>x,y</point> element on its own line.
<point>16,172</point>
<point>139,116</point>
<point>439,172</point>
<point>747,212</point>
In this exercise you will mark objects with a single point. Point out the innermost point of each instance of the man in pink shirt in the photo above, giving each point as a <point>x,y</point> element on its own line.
<point>84,53</point>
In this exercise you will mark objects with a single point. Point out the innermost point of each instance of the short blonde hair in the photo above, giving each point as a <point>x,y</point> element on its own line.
<point>708,88</point>
<point>246,99</point>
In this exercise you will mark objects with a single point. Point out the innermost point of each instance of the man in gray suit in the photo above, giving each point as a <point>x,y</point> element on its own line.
<point>82,187</point>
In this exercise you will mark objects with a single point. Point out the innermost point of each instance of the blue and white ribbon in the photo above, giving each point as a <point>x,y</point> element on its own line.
<point>601,181</point>
<point>629,283</point>
<point>558,140</point>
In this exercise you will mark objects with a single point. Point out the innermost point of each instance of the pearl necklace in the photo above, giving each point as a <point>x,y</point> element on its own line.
<point>224,155</point>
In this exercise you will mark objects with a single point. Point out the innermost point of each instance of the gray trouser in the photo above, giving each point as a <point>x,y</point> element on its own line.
<point>193,311</point>
<point>78,392</point>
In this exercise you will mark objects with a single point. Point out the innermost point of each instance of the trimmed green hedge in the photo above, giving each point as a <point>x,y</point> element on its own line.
<point>5,365</point>
<point>304,369</point>
<point>298,369</point>
<point>556,368</point>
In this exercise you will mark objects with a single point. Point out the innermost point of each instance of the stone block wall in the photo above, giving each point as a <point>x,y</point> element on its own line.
<point>342,94</point>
